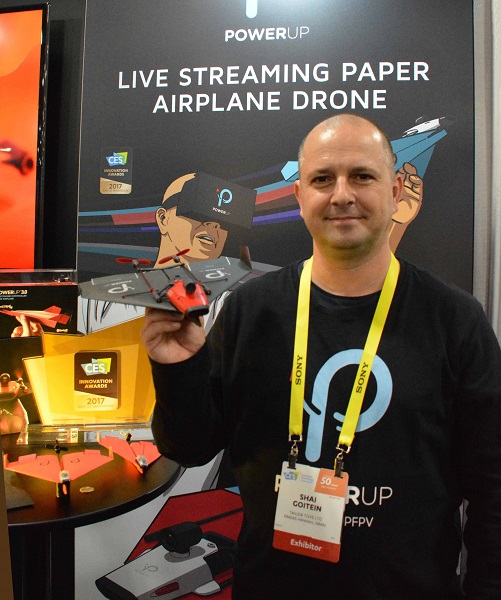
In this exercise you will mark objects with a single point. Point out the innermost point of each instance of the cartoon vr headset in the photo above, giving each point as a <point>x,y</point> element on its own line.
<point>209,198</point>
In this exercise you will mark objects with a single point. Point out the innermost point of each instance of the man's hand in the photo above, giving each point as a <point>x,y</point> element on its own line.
<point>29,327</point>
<point>169,337</point>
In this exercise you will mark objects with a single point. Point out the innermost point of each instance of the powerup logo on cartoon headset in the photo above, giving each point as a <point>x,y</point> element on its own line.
<point>263,33</point>
<point>207,198</point>
<point>223,197</point>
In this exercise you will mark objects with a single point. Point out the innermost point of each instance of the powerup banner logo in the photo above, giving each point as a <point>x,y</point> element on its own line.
<point>251,8</point>
<point>96,376</point>
<point>263,33</point>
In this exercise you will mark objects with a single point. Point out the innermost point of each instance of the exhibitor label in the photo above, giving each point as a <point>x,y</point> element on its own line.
<point>309,514</point>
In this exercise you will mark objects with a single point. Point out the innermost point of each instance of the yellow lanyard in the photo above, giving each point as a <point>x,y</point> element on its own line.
<point>361,380</point>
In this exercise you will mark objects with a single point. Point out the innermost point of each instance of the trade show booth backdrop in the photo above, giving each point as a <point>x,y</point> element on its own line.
<point>200,86</point>
<point>226,90</point>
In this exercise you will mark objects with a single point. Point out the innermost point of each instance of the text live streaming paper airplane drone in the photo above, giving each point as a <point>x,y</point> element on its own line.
<point>180,287</point>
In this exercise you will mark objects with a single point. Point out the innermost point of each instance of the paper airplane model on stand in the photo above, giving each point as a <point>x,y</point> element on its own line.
<point>59,469</point>
<point>141,453</point>
<point>180,287</point>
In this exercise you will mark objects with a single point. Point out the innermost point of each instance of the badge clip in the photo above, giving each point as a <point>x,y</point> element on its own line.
<point>292,457</point>
<point>339,460</point>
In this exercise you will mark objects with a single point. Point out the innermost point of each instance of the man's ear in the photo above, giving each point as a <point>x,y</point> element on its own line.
<point>162,219</point>
<point>398,186</point>
<point>297,193</point>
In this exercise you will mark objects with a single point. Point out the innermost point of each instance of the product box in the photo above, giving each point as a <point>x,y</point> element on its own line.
<point>14,381</point>
<point>37,301</point>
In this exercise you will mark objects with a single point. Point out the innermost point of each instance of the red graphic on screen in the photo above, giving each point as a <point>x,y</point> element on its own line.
<point>20,53</point>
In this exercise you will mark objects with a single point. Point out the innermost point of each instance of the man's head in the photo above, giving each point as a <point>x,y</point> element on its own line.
<point>204,239</point>
<point>348,190</point>
<point>332,122</point>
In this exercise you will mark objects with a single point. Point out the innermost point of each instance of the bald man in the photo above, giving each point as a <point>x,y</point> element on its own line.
<point>364,389</point>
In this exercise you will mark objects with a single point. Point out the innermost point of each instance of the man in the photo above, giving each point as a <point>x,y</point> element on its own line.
<point>428,431</point>
<point>205,240</point>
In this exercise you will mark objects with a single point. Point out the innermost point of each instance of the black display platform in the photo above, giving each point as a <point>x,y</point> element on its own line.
<point>42,536</point>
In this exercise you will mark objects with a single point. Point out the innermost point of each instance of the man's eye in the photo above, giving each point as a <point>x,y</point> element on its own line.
<point>363,176</point>
<point>321,179</point>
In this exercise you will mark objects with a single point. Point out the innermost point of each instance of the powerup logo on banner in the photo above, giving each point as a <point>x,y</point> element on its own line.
<point>263,33</point>
<point>251,8</point>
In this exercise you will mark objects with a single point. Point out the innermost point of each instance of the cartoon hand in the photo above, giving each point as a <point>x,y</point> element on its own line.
<point>28,328</point>
<point>412,195</point>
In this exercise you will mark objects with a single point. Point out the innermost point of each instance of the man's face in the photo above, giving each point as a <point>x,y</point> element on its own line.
<point>347,191</point>
<point>205,240</point>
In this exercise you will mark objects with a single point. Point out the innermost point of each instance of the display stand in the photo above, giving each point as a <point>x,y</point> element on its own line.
<point>6,591</point>
<point>42,536</point>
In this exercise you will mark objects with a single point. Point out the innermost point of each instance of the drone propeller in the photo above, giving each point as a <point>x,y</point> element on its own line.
<point>139,261</point>
<point>174,257</point>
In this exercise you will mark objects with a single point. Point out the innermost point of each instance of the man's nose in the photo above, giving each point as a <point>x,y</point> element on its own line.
<point>342,193</point>
<point>212,224</point>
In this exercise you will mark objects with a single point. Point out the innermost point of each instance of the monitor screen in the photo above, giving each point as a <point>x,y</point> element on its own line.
<point>23,77</point>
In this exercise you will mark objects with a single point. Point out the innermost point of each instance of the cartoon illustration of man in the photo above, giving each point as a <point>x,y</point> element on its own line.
<point>409,204</point>
<point>205,240</point>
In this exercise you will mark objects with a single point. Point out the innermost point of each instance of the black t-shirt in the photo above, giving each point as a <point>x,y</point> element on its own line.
<point>428,433</point>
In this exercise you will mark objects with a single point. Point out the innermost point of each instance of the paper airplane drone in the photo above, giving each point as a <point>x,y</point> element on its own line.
<point>180,287</point>
<point>50,316</point>
<point>141,454</point>
<point>59,469</point>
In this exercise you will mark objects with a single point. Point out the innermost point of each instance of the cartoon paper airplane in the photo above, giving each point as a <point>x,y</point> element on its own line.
<point>415,146</point>
<point>425,124</point>
<point>180,287</point>
<point>50,316</point>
